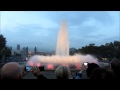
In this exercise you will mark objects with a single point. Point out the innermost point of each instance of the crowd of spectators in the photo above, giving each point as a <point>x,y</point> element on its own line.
<point>12,70</point>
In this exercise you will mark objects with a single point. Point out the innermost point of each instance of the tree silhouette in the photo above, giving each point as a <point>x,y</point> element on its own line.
<point>4,50</point>
<point>2,45</point>
<point>109,50</point>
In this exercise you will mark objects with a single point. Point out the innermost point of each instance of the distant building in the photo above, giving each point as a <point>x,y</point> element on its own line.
<point>26,51</point>
<point>12,53</point>
<point>18,49</point>
<point>35,50</point>
<point>29,54</point>
<point>41,53</point>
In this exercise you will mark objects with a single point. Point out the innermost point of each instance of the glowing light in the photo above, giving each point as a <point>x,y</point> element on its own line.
<point>31,63</point>
<point>50,66</point>
<point>75,60</point>
<point>77,66</point>
<point>38,65</point>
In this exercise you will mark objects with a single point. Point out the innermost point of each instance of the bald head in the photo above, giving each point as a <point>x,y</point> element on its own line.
<point>11,70</point>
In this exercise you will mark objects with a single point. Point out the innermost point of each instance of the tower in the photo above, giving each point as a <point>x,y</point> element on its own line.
<point>18,49</point>
<point>35,50</point>
<point>26,51</point>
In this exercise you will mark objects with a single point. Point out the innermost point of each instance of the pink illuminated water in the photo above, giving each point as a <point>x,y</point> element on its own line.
<point>51,61</point>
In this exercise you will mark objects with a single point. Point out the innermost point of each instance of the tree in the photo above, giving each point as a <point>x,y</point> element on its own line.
<point>2,42</point>
<point>117,48</point>
<point>7,52</point>
<point>109,50</point>
<point>2,45</point>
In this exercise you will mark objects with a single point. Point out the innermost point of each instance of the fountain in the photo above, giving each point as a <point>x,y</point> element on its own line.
<point>63,42</point>
<point>62,54</point>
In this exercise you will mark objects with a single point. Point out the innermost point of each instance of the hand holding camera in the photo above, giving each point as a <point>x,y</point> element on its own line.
<point>29,68</point>
<point>36,71</point>
<point>84,66</point>
<point>24,72</point>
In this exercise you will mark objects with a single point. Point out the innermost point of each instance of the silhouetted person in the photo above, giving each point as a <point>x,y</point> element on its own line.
<point>91,67</point>
<point>79,74</point>
<point>115,66</point>
<point>102,73</point>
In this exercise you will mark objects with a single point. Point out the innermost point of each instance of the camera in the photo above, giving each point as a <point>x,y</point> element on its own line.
<point>28,68</point>
<point>85,64</point>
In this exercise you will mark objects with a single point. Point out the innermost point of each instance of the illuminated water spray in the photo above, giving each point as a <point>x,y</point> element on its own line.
<point>62,48</point>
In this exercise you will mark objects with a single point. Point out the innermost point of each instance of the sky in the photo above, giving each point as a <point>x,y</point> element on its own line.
<point>40,28</point>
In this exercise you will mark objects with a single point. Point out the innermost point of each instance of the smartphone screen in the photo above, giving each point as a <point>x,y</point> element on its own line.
<point>28,68</point>
<point>85,64</point>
